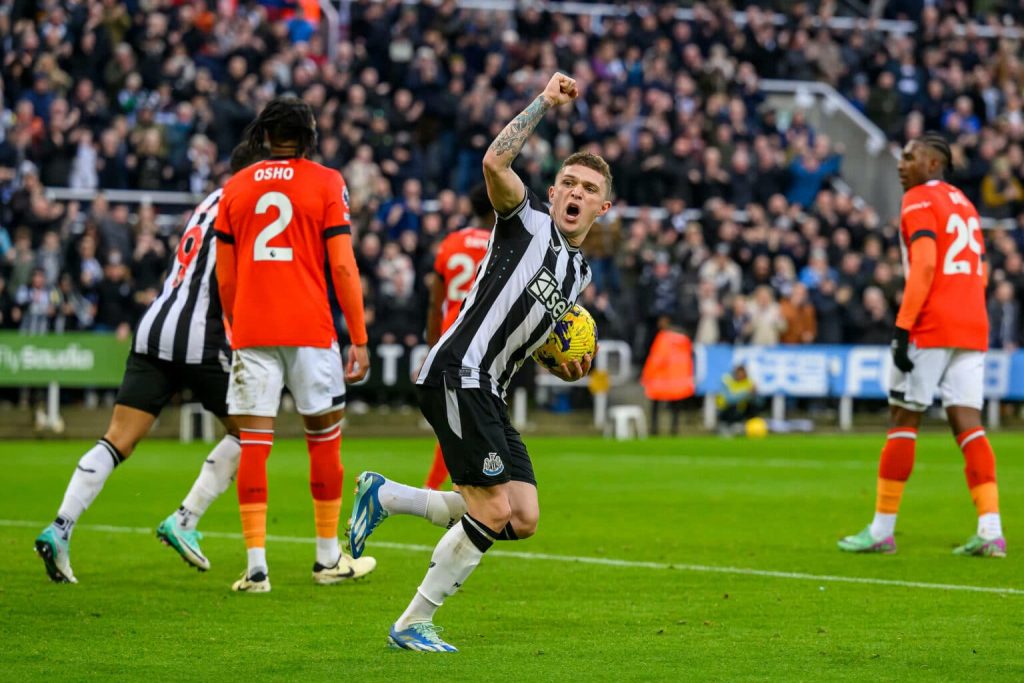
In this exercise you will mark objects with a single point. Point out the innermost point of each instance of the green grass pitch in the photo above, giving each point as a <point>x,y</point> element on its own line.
<point>687,519</point>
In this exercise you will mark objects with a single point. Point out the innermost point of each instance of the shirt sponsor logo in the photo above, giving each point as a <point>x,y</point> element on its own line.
<point>544,288</point>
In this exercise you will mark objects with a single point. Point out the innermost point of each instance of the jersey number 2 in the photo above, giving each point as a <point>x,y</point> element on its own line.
<point>464,265</point>
<point>261,252</point>
<point>964,239</point>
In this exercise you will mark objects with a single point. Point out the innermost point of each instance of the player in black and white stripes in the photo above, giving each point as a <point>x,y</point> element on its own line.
<point>179,343</point>
<point>185,324</point>
<point>532,274</point>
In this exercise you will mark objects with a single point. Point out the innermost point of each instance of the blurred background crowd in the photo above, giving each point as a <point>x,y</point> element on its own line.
<point>728,219</point>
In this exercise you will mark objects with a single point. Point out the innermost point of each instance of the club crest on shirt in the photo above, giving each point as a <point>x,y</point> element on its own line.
<point>545,289</point>
<point>493,466</point>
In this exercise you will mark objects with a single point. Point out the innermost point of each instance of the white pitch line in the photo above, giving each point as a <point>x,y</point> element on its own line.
<point>573,559</point>
<point>767,463</point>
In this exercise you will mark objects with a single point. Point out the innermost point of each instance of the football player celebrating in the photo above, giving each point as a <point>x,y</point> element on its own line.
<point>938,346</point>
<point>455,268</point>
<point>532,274</point>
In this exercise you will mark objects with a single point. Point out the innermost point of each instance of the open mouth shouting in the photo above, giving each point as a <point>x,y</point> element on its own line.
<point>572,212</point>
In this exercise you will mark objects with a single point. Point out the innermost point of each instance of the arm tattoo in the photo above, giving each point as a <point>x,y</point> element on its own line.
<point>512,138</point>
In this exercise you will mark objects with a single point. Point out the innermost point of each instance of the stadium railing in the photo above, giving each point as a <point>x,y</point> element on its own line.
<point>868,162</point>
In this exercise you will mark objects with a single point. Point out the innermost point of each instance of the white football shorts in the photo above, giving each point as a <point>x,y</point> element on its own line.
<point>957,375</point>
<point>312,375</point>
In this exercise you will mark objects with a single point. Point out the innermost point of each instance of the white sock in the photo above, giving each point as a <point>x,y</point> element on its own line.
<point>990,526</point>
<point>883,525</point>
<point>214,479</point>
<point>86,483</point>
<point>441,508</point>
<point>454,559</point>
<point>327,551</point>
<point>257,561</point>
<point>444,508</point>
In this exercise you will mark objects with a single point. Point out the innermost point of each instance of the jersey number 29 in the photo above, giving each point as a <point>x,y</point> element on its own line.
<point>964,239</point>
<point>261,252</point>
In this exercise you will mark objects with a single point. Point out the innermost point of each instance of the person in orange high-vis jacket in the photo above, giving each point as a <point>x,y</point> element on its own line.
<point>278,222</point>
<point>668,375</point>
<point>938,346</point>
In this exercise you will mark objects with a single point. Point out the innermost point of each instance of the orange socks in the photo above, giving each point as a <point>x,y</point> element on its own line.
<point>325,480</point>
<point>980,469</point>
<point>438,471</point>
<point>894,468</point>
<point>252,485</point>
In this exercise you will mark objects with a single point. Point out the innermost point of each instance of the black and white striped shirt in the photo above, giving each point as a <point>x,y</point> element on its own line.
<point>185,324</point>
<point>529,278</point>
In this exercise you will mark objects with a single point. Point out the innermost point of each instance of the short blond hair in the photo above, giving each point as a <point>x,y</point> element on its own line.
<point>592,161</point>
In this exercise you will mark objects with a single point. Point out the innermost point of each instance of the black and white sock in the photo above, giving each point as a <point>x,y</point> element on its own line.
<point>86,483</point>
<point>214,478</point>
<point>455,557</point>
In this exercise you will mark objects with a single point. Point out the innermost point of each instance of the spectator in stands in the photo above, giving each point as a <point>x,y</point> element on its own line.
<point>810,168</point>
<point>709,312</point>
<point>661,285</point>
<point>766,320</point>
<point>74,311</point>
<point>396,302</point>
<point>1004,318</point>
<point>1002,194</point>
<point>784,275</point>
<point>871,322</point>
<point>828,313</point>
<point>22,259</point>
<point>38,303</point>
<point>722,272</point>
<point>115,308</point>
<point>738,325</point>
<point>798,313</point>
<point>883,105</point>
<point>50,257</point>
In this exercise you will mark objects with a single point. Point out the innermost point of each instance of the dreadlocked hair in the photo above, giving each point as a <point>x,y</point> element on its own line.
<point>284,119</point>
<point>938,144</point>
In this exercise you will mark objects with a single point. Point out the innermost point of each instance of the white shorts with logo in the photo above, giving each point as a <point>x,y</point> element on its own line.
<point>957,375</point>
<point>260,373</point>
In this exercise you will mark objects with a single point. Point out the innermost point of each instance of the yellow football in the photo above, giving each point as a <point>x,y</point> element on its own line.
<point>574,336</point>
<point>756,428</point>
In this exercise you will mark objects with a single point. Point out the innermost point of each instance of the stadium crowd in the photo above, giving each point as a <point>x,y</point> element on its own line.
<point>154,94</point>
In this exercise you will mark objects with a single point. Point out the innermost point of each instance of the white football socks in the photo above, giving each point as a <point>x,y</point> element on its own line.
<point>883,525</point>
<point>214,478</point>
<point>327,551</point>
<point>454,559</point>
<point>990,526</point>
<point>257,561</point>
<point>86,483</point>
<point>441,508</point>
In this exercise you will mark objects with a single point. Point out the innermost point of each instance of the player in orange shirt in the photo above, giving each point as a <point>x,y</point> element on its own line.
<point>939,346</point>
<point>277,222</point>
<point>455,266</point>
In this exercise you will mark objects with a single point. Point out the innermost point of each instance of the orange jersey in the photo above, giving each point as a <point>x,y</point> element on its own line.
<point>278,214</point>
<point>954,313</point>
<point>456,263</point>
